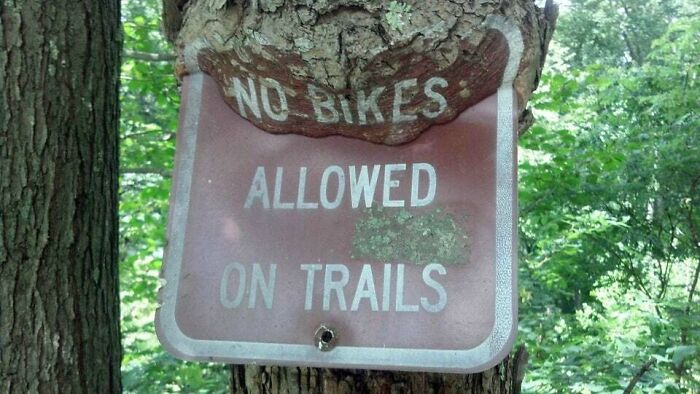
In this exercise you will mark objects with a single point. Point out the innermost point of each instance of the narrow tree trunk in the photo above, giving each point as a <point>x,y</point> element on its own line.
<point>504,378</point>
<point>59,302</point>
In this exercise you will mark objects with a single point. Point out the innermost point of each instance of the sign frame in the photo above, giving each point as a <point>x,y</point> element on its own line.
<point>487,354</point>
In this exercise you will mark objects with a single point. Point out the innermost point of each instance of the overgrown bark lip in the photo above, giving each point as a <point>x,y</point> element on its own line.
<point>378,71</point>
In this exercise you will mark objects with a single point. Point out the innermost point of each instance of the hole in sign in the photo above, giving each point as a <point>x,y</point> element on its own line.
<point>326,338</point>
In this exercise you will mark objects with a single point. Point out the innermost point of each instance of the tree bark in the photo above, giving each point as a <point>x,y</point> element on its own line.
<point>504,378</point>
<point>375,70</point>
<point>59,300</point>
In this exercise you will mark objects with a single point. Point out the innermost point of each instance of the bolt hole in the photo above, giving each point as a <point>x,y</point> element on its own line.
<point>327,336</point>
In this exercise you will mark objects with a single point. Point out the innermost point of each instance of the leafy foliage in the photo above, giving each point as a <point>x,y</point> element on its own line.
<point>615,32</point>
<point>609,222</point>
<point>149,105</point>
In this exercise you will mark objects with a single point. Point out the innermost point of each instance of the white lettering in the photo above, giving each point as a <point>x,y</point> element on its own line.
<point>365,289</point>
<point>437,97</point>
<point>336,278</point>
<point>310,276</point>
<point>345,106</point>
<point>324,187</point>
<point>330,285</point>
<point>400,306</point>
<point>439,289</point>
<point>399,100</point>
<point>369,103</point>
<point>320,104</point>
<point>276,203</point>
<point>361,180</point>
<point>243,97</point>
<point>415,183</point>
<point>301,204</point>
<point>390,184</point>
<point>386,290</point>
<point>267,289</point>
<point>280,116</point>
<point>258,189</point>
<point>223,288</point>
<point>364,184</point>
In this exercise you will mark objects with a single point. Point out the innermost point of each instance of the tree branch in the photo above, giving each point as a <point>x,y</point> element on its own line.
<point>634,52</point>
<point>694,238</point>
<point>635,379</point>
<point>521,358</point>
<point>149,57</point>
<point>146,171</point>
<point>166,135</point>
<point>693,285</point>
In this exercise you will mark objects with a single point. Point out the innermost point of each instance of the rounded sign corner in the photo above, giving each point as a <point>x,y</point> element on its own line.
<point>171,337</point>
<point>500,354</point>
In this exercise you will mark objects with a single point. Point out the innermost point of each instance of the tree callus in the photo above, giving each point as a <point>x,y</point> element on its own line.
<point>375,70</point>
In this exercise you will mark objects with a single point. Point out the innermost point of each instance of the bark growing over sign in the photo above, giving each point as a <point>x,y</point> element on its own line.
<point>382,71</point>
<point>59,302</point>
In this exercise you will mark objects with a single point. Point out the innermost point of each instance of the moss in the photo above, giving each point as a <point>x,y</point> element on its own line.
<point>389,235</point>
<point>398,15</point>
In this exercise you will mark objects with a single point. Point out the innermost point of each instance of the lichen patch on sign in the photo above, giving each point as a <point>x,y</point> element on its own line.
<point>391,235</point>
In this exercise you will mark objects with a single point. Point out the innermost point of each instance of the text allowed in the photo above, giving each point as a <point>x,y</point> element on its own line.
<point>353,185</point>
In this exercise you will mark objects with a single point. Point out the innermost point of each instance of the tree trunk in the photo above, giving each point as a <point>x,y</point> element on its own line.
<point>504,378</point>
<point>59,300</point>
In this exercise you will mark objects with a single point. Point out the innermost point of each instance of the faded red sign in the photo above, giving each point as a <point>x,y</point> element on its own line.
<point>404,255</point>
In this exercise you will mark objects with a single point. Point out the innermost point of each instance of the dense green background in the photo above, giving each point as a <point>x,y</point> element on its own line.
<point>609,203</point>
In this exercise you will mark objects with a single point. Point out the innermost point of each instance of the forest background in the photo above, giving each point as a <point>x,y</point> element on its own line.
<point>609,188</point>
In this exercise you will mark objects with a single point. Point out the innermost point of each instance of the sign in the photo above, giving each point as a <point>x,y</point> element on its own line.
<point>335,252</point>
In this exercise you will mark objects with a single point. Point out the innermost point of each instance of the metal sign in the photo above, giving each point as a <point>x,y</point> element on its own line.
<point>336,252</point>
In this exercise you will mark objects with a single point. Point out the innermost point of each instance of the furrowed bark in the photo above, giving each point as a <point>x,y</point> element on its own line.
<point>504,378</point>
<point>59,301</point>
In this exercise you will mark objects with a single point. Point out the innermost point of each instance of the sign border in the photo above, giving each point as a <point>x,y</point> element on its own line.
<point>487,354</point>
